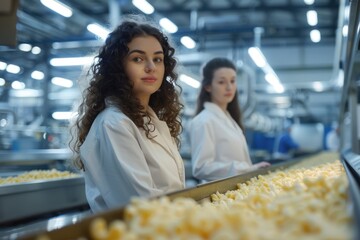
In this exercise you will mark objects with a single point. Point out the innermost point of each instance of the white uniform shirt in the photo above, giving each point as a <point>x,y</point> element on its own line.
<point>332,140</point>
<point>218,145</point>
<point>121,162</point>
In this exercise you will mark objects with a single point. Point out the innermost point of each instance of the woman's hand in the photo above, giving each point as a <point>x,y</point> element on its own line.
<point>262,164</point>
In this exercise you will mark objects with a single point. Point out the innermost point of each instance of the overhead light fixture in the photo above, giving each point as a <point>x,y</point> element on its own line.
<point>17,85</point>
<point>168,25</point>
<point>312,18</point>
<point>98,30</point>
<point>188,42</point>
<point>143,6</point>
<point>315,36</point>
<point>63,115</point>
<point>62,82</point>
<point>74,61</point>
<point>257,56</point>
<point>12,68</point>
<point>58,7</point>
<point>270,76</point>
<point>26,92</point>
<point>189,81</point>
<point>25,47</point>
<point>3,65</point>
<point>274,81</point>
<point>309,2</point>
<point>2,82</point>
<point>38,75</point>
<point>36,50</point>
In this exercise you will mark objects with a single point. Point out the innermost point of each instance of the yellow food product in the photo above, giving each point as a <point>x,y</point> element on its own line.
<point>308,201</point>
<point>36,175</point>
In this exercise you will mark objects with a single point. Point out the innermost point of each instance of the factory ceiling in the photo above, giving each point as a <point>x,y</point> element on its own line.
<point>226,27</point>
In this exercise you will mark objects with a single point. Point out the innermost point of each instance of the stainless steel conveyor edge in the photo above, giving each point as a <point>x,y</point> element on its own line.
<point>28,200</point>
<point>31,155</point>
<point>351,162</point>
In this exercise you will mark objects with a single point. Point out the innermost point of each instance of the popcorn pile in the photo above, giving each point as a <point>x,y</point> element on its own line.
<point>36,175</point>
<point>302,202</point>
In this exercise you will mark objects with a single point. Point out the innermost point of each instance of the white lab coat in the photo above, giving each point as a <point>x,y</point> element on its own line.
<point>218,145</point>
<point>332,140</point>
<point>121,162</point>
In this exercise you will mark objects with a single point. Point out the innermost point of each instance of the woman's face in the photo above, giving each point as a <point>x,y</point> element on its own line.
<point>223,86</point>
<point>144,66</point>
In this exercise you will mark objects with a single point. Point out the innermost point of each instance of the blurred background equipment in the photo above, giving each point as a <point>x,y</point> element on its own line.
<point>8,20</point>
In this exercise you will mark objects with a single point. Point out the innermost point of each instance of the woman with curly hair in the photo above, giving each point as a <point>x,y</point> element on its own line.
<point>128,124</point>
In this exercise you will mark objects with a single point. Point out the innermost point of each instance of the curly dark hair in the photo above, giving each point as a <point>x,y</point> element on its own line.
<point>204,96</point>
<point>109,81</point>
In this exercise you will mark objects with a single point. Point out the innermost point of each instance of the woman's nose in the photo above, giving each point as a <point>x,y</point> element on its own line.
<point>228,86</point>
<point>150,66</point>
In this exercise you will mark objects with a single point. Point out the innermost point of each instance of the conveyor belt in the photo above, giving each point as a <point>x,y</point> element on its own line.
<point>198,193</point>
<point>27,200</point>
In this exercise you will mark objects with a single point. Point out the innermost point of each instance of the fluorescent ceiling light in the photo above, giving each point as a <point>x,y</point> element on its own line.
<point>58,7</point>
<point>188,42</point>
<point>27,92</point>
<point>312,18</point>
<point>98,30</point>
<point>36,50</point>
<point>17,85</point>
<point>274,81</point>
<point>189,81</point>
<point>272,78</point>
<point>25,47</point>
<point>168,25</point>
<point>143,6</point>
<point>279,88</point>
<point>62,82</point>
<point>315,35</point>
<point>38,75</point>
<point>2,82</point>
<point>309,2</point>
<point>3,65</point>
<point>75,61</point>
<point>257,56</point>
<point>12,68</point>
<point>63,115</point>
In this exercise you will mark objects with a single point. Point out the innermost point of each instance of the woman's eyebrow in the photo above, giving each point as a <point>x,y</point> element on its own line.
<point>142,52</point>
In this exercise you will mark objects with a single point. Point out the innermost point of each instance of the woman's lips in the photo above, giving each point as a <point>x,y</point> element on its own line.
<point>149,79</point>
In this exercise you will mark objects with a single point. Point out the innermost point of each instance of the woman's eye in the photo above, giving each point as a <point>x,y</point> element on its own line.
<point>137,59</point>
<point>158,60</point>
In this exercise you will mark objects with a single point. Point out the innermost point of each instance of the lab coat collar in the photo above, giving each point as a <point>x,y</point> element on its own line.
<point>212,107</point>
<point>161,135</point>
<point>225,116</point>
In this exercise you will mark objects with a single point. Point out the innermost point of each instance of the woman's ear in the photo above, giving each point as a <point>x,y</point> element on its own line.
<point>207,88</point>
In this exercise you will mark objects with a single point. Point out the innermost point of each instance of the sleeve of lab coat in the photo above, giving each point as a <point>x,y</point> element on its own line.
<point>122,169</point>
<point>204,145</point>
